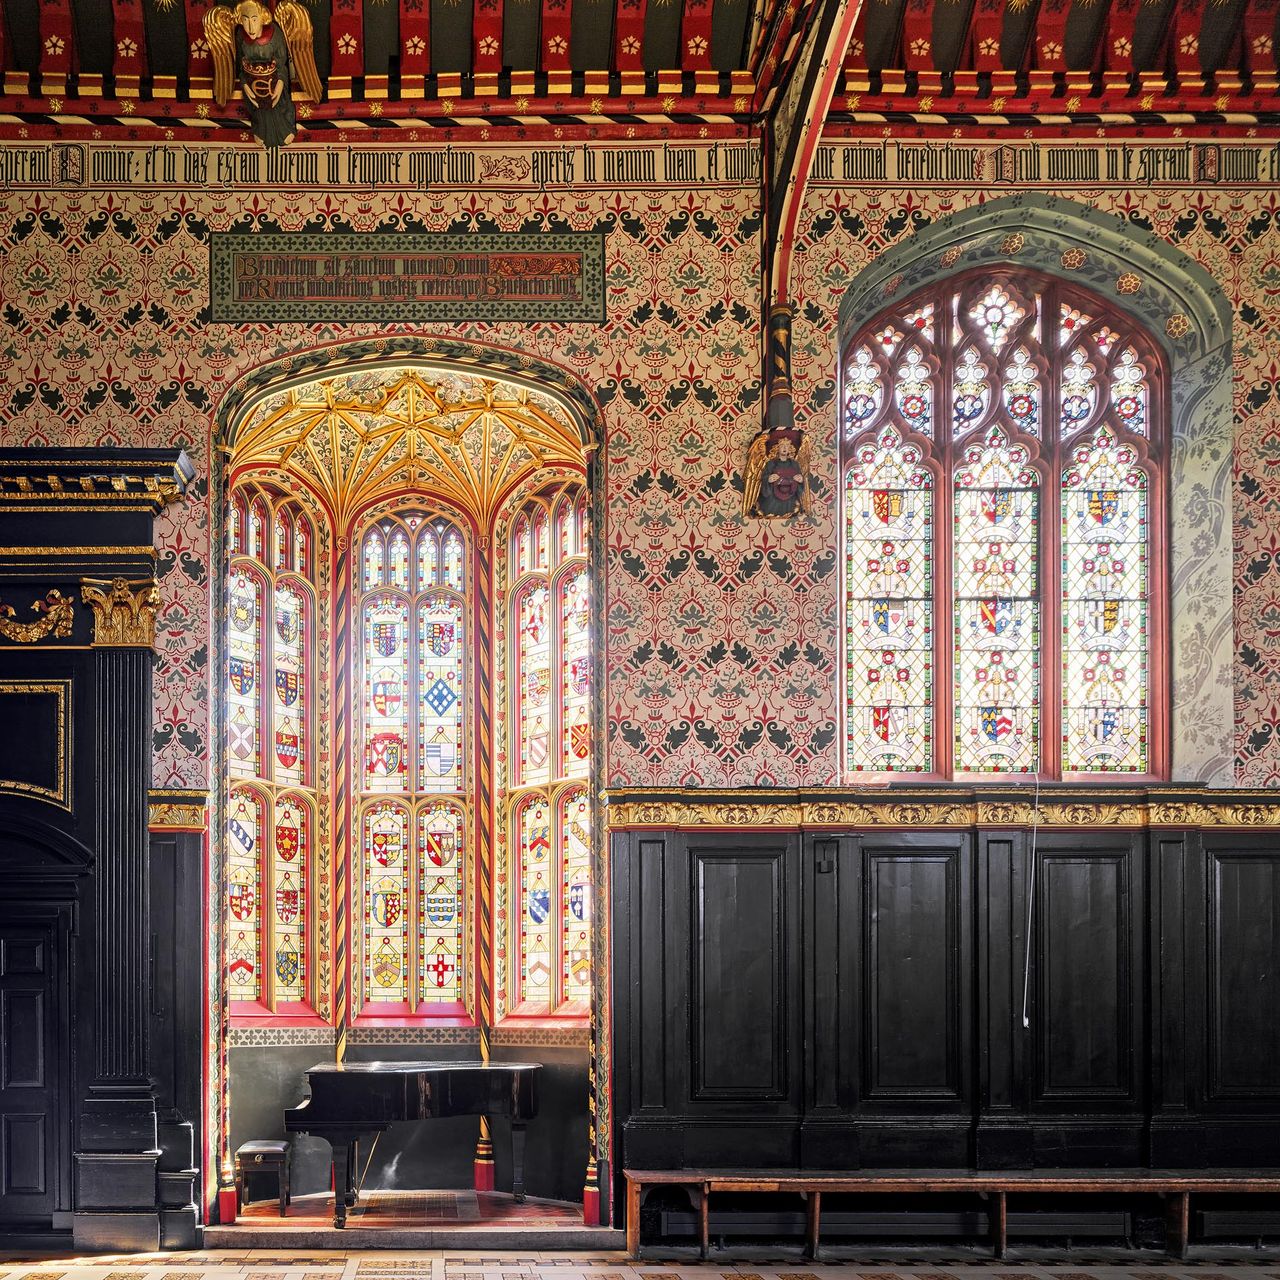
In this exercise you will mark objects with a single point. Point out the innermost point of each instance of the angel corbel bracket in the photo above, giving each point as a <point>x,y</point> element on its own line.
<point>265,53</point>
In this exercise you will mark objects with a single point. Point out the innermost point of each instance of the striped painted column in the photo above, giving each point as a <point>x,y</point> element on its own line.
<point>483,844</point>
<point>345,970</point>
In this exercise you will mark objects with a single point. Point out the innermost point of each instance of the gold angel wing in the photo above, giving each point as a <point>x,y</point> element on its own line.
<point>220,36</point>
<point>803,456</point>
<point>753,473</point>
<point>295,22</point>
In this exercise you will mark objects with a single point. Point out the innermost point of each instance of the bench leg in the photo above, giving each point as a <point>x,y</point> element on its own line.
<point>704,1222</point>
<point>812,1217</point>
<point>999,1223</point>
<point>633,1219</point>
<point>1179,1223</point>
<point>282,1177</point>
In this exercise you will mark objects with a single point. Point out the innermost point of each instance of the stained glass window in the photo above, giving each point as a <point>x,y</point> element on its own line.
<point>386,902</point>
<point>550,673</point>
<point>244,893</point>
<point>441,902</point>
<point>414,716</point>
<point>997,573</point>
<point>271,657</point>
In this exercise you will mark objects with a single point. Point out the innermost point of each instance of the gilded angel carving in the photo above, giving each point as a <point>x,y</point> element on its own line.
<point>775,477</point>
<point>266,54</point>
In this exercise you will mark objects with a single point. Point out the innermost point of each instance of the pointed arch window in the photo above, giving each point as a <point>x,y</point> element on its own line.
<point>1002,453</point>
<point>549,661</point>
<point>414,776</point>
<point>273,798</point>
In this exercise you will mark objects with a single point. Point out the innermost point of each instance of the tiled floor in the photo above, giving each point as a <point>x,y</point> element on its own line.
<point>407,1209</point>
<point>524,1265</point>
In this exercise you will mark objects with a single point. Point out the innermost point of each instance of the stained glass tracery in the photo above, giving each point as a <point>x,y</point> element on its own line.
<point>1043,500</point>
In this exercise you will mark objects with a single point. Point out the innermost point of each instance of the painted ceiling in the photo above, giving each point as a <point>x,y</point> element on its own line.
<point>363,435</point>
<point>648,68</point>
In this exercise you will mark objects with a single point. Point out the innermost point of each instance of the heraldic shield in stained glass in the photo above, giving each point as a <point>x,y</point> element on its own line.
<point>269,607</point>
<point>551,670</point>
<point>998,430</point>
<point>414,672</point>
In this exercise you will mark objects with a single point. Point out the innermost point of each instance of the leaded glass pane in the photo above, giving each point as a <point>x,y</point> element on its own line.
<point>971,392</point>
<point>997,609</point>
<point>575,839</point>
<point>523,540</point>
<point>441,693</point>
<point>386,901</point>
<point>244,894</point>
<point>540,545</point>
<point>284,541</point>
<point>385,704</point>
<point>913,392</point>
<point>533,639</point>
<point>290,848</point>
<point>1129,392</point>
<point>428,560</point>
<point>1104,602</point>
<point>863,391</point>
<point>244,660</point>
<point>1079,390</point>
<point>289,703</point>
<point>398,560</point>
<point>997,314</point>
<point>258,524</point>
<point>302,546</point>
<point>889,608</point>
<point>440,903</point>
<point>537,879</point>
<point>1022,395</point>
<point>575,673</point>
<point>454,564</point>
<point>374,560</point>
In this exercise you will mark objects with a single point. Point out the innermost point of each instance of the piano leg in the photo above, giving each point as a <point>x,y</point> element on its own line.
<point>517,1160</point>
<point>342,1165</point>
<point>353,1171</point>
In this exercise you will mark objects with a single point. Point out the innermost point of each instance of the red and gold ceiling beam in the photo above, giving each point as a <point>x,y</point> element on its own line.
<point>129,57</point>
<point>793,131</point>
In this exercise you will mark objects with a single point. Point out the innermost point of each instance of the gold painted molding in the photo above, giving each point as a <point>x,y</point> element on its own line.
<point>1065,809</point>
<point>60,793</point>
<point>170,809</point>
<point>124,612</point>
<point>56,616</point>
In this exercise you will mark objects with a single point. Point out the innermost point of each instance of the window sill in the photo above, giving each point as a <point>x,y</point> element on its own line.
<point>252,1014</point>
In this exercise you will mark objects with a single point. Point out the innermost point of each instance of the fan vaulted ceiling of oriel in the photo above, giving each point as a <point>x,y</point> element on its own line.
<point>358,436</point>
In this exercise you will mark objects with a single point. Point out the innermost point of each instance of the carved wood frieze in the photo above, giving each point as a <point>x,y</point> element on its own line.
<point>56,614</point>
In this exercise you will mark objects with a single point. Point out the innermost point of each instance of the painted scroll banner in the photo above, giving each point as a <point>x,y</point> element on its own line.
<point>278,277</point>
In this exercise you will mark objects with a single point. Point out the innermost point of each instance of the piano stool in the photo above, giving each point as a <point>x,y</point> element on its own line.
<point>263,1156</point>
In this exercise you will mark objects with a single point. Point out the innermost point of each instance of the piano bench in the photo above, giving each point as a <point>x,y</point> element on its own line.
<point>263,1156</point>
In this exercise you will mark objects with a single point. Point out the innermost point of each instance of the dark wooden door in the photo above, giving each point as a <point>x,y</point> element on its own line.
<point>28,1073</point>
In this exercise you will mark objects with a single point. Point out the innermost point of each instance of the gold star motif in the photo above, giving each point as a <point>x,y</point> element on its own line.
<point>375,108</point>
<point>128,107</point>
<point>55,105</point>
<point>202,110</point>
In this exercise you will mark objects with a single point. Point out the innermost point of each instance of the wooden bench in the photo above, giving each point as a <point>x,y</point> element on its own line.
<point>1177,1186</point>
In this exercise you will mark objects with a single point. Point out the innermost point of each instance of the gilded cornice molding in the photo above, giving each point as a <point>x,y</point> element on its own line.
<point>124,612</point>
<point>1066,808</point>
<point>56,614</point>
<point>172,810</point>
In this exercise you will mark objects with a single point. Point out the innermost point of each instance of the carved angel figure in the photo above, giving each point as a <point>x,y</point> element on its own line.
<point>265,54</point>
<point>775,479</point>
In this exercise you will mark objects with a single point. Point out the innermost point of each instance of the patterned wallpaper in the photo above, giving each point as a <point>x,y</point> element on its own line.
<point>720,643</point>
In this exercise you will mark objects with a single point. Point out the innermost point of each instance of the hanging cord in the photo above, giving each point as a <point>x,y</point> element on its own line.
<point>1031,904</point>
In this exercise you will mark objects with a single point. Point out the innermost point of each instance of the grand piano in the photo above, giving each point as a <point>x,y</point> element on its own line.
<point>355,1100</point>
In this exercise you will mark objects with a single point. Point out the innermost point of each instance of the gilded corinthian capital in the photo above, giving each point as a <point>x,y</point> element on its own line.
<point>124,612</point>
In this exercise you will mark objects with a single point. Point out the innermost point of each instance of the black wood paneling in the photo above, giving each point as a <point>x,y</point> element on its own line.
<point>740,992</point>
<point>1244,974</point>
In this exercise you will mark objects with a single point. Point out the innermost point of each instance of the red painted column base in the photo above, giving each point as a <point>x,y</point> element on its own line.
<point>591,1206</point>
<point>484,1175</point>
<point>228,1205</point>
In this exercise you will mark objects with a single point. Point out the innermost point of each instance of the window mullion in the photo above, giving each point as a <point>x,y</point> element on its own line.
<point>945,656</point>
<point>1052,691</point>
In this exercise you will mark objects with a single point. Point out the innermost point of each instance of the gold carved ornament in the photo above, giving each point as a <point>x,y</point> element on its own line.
<point>124,612</point>
<point>56,618</point>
